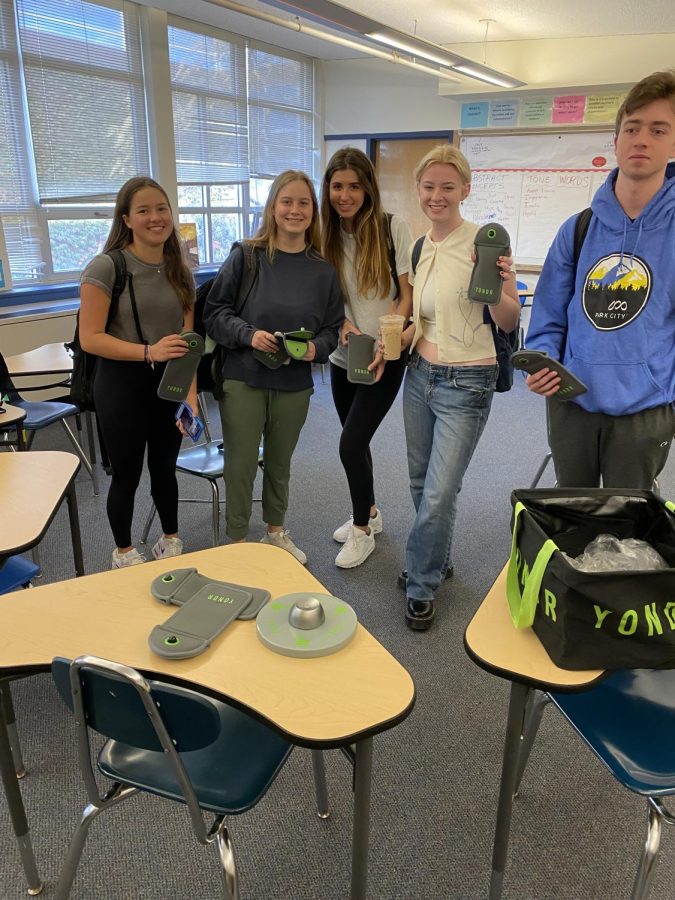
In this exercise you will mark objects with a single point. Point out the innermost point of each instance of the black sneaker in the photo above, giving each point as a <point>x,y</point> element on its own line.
<point>403,577</point>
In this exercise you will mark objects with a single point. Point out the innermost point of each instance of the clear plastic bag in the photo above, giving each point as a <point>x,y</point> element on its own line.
<point>607,553</point>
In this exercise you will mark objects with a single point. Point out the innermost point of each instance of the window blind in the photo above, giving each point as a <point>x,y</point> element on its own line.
<point>208,83</point>
<point>281,99</point>
<point>83,76</point>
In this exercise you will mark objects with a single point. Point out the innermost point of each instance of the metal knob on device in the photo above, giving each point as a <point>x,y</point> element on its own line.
<point>307,613</point>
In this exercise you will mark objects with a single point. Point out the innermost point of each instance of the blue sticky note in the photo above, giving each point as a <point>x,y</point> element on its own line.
<point>475,115</point>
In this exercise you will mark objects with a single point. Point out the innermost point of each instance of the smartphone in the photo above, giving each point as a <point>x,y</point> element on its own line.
<point>193,425</point>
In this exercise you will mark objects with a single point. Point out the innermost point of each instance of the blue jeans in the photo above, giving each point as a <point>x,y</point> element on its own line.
<point>445,409</point>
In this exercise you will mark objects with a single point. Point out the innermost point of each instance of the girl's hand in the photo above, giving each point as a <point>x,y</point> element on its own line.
<point>170,347</point>
<point>265,341</point>
<point>508,271</point>
<point>347,329</point>
<point>193,405</point>
<point>407,337</point>
<point>310,355</point>
<point>378,364</point>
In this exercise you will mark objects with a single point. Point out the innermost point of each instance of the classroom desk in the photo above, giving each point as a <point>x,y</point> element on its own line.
<point>333,701</point>
<point>12,417</point>
<point>53,359</point>
<point>495,645</point>
<point>32,488</point>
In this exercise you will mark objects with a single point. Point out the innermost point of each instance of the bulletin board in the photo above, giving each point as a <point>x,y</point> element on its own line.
<point>531,182</point>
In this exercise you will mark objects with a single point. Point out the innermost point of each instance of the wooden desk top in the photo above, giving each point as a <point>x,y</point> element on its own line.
<point>12,415</point>
<point>329,701</point>
<point>516,653</point>
<point>32,486</point>
<point>50,359</point>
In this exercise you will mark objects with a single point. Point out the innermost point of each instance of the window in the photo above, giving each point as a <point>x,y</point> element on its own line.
<point>84,95</point>
<point>242,114</point>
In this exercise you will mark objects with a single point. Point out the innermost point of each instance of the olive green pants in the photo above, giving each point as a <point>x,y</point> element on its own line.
<point>249,416</point>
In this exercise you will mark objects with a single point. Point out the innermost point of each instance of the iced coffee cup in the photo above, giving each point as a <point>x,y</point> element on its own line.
<point>391,329</point>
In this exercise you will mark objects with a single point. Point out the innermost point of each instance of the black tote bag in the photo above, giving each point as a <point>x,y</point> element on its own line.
<point>589,620</point>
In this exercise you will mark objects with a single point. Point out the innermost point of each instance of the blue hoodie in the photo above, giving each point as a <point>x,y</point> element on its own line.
<point>613,324</point>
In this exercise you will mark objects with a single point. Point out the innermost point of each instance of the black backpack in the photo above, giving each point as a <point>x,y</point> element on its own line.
<point>391,252</point>
<point>506,342</point>
<point>210,370</point>
<point>84,364</point>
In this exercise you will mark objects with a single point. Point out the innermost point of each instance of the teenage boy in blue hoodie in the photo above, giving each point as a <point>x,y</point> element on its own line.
<point>611,319</point>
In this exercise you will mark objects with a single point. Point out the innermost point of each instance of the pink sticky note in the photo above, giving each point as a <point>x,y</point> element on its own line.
<point>568,109</point>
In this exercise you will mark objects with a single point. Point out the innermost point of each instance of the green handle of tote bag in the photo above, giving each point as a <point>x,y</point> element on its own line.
<point>523,606</point>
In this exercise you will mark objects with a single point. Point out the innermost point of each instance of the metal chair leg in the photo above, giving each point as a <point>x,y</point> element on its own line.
<point>534,710</point>
<point>226,856</point>
<point>320,785</point>
<point>83,456</point>
<point>645,872</point>
<point>12,733</point>
<point>148,524</point>
<point>35,554</point>
<point>215,511</point>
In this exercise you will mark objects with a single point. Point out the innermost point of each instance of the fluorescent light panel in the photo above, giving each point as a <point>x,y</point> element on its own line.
<point>335,16</point>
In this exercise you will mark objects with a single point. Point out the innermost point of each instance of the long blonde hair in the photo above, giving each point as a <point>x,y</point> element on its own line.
<point>370,225</point>
<point>120,236</point>
<point>266,236</point>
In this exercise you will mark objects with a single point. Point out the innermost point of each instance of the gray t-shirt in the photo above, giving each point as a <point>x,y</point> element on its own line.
<point>159,307</point>
<point>365,311</point>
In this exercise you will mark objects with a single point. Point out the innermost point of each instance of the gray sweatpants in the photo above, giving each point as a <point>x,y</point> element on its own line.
<point>623,451</point>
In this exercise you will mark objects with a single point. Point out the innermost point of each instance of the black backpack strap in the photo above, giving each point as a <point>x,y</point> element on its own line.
<point>119,284</point>
<point>249,275</point>
<point>391,250</point>
<point>416,253</point>
<point>580,230</point>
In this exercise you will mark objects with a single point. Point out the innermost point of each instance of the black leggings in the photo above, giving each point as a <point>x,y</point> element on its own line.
<point>361,408</point>
<point>132,416</point>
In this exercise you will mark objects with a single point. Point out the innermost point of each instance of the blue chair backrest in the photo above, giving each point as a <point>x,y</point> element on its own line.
<point>7,388</point>
<point>113,707</point>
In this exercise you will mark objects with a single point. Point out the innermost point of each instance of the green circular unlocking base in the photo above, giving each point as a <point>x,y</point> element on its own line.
<point>276,632</point>
<point>491,233</point>
<point>168,578</point>
<point>172,640</point>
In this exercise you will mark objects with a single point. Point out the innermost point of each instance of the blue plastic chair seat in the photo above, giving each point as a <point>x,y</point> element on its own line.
<point>17,572</point>
<point>205,460</point>
<point>228,777</point>
<point>41,413</point>
<point>628,721</point>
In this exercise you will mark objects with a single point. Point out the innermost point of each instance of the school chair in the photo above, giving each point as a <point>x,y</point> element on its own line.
<point>15,572</point>
<point>171,742</point>
<point>43,413</point>
<point>628,722</point>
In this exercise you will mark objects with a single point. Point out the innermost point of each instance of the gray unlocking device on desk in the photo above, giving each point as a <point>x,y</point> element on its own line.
<point>492,241</point>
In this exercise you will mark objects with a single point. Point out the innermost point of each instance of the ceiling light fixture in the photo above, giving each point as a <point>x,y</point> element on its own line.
<point>335,16</point>
<point>391,56</point>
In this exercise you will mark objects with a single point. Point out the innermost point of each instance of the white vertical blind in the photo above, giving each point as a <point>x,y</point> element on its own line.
<point>17,203</point>
<point>208,83</point>
<point>84,85</point>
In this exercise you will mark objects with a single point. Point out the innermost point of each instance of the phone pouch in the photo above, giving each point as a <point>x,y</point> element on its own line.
<point>273,360</point>
<point>295,342</point>
<point>360,349</point>
<point>178,373</point>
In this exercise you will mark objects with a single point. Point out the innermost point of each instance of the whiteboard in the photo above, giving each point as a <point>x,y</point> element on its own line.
<point>531,183</point>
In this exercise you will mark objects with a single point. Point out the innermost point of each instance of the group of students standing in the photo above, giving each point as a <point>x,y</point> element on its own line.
<point>332,269</point>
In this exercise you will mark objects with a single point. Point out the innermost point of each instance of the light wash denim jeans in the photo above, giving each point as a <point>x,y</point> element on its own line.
<point>445,409</point>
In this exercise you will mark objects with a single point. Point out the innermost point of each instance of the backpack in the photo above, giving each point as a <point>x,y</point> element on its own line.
<point>210,369</point>
<point>506,342</point>
<point>580,231</point>
<point>84,364</point>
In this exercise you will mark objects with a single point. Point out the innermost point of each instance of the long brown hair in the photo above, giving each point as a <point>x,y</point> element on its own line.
<point>266,236</point>
<point>370,225</point>
<point>120,236</point>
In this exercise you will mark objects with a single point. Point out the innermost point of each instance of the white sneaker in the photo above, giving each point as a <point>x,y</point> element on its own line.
<point>130,558</point>
<point>343,533</point>
<point>356,549</point>
<point>167,546</point>
<point>282,539</point>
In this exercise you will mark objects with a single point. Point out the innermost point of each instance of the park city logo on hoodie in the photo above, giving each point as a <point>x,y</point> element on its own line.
<point>616,291</point>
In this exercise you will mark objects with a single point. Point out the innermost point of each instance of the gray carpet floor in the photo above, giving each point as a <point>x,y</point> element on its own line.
<point>576,834</point>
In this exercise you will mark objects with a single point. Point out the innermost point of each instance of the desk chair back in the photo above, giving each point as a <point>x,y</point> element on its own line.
<point>42,413</point>
<point>171,742</point>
